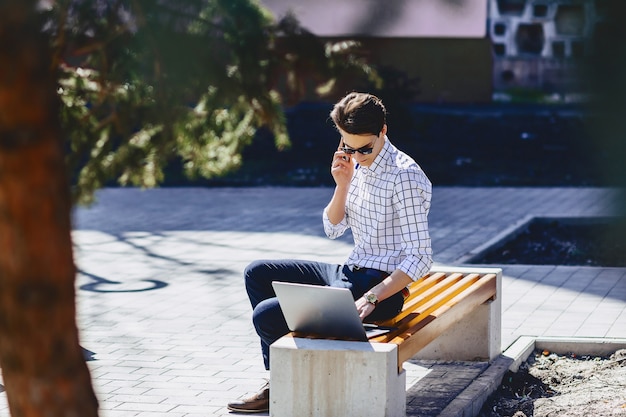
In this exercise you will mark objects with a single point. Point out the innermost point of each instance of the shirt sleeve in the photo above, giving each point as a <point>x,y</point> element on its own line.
<point>411,199</point>
<point>334,231</point>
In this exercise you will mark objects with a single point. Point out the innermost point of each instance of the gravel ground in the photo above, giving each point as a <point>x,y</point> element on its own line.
<point>550,385</point>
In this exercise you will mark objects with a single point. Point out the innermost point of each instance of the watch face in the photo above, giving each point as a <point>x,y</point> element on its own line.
<point>371,298</point>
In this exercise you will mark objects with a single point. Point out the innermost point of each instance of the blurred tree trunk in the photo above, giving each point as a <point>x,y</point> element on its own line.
<point>42,364</point>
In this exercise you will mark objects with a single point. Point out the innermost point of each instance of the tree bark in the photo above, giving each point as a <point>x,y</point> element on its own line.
<point>42,364</point>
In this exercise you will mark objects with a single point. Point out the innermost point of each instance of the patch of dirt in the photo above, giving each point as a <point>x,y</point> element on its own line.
<point>554,242</point>
<point>549,385</point>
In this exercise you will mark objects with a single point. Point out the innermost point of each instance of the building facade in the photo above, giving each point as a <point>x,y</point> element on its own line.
<point>540,45</point>
<point>465,51</point>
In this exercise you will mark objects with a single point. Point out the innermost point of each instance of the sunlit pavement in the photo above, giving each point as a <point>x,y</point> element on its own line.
<point>161,302</point>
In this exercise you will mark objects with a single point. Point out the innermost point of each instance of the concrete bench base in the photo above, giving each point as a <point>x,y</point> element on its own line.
<point>322,378</point>
<point>475,337</point>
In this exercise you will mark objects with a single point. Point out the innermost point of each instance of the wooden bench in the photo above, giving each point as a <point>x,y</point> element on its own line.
<point>450,314</point>
<point>436,302</point>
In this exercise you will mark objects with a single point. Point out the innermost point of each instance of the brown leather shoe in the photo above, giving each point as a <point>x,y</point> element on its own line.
<point>258,403</point>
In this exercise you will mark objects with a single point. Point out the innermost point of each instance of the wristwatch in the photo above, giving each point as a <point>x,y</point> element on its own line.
<point>370,297</point>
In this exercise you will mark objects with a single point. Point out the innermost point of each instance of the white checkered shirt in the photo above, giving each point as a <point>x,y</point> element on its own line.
<point>387,210</point>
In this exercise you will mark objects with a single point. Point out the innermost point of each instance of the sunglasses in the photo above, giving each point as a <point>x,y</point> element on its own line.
<point>365,150</point>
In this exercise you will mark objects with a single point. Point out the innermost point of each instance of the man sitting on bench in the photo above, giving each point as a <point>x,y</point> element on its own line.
<point>383,195</point>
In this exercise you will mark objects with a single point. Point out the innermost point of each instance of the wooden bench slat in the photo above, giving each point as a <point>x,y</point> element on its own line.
<point>422,284</point>
<point>422,295</point>
<point>417,316</point>
<point>438,322</point>
<point>448,289</point>
<point>444,302</point>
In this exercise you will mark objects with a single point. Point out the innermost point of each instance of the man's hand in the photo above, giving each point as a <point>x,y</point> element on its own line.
<point>364,308</point>
<point>342,168</point>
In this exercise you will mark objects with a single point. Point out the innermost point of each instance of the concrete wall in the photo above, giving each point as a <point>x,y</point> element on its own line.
<point>441,43</point>
<point>449,70</point>
<point>395,18</point>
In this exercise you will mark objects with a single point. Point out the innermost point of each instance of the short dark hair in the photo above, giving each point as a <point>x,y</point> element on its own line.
<point>359,114</point>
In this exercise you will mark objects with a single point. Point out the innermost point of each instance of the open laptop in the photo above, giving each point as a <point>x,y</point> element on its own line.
<point>323,311</point>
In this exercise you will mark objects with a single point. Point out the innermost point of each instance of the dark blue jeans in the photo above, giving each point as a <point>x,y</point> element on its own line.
<point>267,316</point>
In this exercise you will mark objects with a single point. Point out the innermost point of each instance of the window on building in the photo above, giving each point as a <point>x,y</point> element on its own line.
<point>558,49</point>
<point>499,49</point>
<point>540,10</point>
<point>511,7</point>
<point>507,76</point>
<point>570,20</point>
<point>499,29</point>
<point>530,38</point>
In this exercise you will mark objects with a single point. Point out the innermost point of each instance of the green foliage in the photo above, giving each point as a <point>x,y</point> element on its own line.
<point>147,82</point>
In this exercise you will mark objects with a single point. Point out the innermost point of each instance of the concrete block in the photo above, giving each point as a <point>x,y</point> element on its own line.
<point>477,336</point>
<point>599,346</point>
<point>322,378</point>
<point>519,351</point>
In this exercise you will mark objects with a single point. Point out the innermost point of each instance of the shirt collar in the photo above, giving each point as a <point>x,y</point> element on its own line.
<point>380,162</point>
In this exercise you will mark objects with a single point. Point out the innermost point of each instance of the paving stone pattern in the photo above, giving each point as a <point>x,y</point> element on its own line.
<point>161,303</point>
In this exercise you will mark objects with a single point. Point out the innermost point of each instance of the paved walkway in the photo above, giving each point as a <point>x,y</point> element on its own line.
<point>162,307</point>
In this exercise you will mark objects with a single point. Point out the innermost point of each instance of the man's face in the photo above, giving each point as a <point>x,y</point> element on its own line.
<point>363,148</point>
